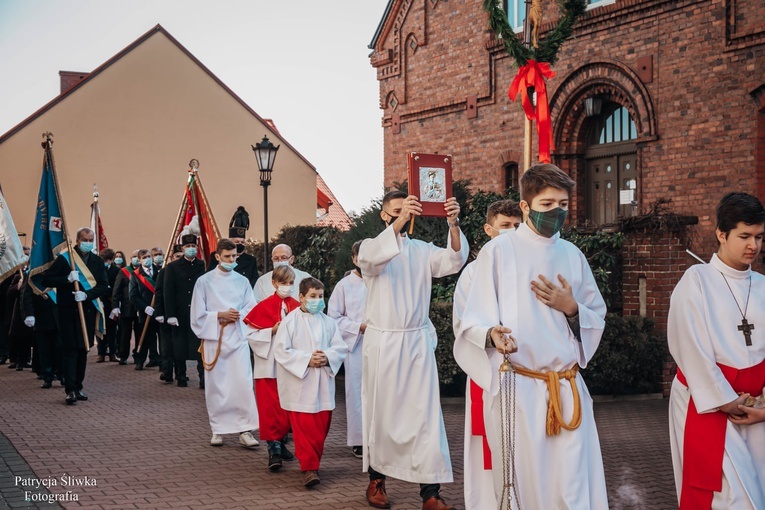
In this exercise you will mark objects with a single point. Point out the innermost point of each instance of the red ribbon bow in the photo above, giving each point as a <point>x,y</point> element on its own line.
<point>533,74</point>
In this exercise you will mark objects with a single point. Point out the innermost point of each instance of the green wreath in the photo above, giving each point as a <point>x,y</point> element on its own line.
<point>549,46</point>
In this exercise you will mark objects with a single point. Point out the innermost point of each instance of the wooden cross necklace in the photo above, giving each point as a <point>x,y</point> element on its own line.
<point>744,327</point>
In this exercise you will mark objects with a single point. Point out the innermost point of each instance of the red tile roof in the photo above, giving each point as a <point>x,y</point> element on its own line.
<point>329,212</point>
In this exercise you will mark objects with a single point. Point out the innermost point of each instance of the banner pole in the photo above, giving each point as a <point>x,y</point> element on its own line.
<point>48,146</point>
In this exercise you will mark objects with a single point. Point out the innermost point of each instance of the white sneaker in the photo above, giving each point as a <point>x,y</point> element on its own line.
<point>216,440</point>
<point>246,440</point>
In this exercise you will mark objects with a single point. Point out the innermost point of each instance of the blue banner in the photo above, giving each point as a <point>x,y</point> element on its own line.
<point>48,235</point>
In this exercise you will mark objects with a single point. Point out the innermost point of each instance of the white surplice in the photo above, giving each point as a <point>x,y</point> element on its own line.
<point>262,345</point>
<point>564,471</point>
<point>346,306</point>
<point>478,482</point>
<point>702,330</point>
<point>302,388</point>
<point>404,434</point>
<point>264,286</point>
<point>228,386</point>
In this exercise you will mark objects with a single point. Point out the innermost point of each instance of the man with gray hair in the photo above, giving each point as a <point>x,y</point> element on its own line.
<point>281,255</point>
<point>91,274</point>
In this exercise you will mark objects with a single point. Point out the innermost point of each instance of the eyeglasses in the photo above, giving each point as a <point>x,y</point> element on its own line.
<point>282,258</point>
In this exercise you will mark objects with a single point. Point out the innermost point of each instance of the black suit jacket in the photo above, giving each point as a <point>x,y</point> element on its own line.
<point>121,293</point>
<point>56,275</point>
<point>140,295</point>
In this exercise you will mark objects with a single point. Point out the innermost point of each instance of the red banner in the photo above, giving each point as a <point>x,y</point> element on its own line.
<point>98,227</point>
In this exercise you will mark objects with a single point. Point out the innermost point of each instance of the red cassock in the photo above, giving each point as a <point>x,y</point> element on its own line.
<point>274,421</point>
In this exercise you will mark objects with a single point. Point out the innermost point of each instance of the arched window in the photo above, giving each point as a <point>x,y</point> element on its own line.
<point>511,175</point>
<point>614,126</point>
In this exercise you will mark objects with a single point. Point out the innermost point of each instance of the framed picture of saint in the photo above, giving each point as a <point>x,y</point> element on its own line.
<point>430,180</point>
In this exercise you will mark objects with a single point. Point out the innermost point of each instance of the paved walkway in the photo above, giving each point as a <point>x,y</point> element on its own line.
<point>138,443</point>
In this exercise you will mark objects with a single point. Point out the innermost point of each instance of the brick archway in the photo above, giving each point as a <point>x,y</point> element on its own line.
<point>613,81</point>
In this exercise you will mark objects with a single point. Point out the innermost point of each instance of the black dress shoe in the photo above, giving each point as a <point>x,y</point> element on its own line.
<point>71,399</point>
<point>139,366</point>
<point>123,362</point>
<point>19,367</point>
<point>3,359</point>
<point>12,365</point>
<point>46,385</point>
<point>152,364</point>
<point>182,383</point>
<point>79,395</point>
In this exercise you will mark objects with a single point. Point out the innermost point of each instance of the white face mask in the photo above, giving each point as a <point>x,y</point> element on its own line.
<point>284,291</point>
<point>505,230</point>
<point>281,263</point>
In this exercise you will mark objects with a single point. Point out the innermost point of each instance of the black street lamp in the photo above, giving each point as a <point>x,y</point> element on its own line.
<point>265,154</point>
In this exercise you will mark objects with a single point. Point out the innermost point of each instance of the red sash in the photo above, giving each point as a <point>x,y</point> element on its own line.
<point>269,311</point>
<point>148,283</point>
<point>704,441</point>
<point>477,425</point>
<point>125,272</point>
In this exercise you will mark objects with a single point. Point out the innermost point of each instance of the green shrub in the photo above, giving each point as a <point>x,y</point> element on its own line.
<point>450,376</point>
<point>629,358</point>
<point>603,252</point>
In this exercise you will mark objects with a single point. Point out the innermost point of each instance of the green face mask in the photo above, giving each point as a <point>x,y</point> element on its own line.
<point>548,223</point>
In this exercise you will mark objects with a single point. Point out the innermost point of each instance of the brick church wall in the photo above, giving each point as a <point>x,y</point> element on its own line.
<point>689,71</point>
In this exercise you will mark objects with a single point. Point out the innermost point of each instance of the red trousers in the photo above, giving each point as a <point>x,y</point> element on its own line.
<point>309,430</point>
<point>274,422</point>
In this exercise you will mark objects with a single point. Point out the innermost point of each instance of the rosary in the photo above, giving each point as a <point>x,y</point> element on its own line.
<point>507,425</point>
<point>744,327</point>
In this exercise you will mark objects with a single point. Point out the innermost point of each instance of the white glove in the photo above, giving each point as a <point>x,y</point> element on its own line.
<point>30,321</point>
<point>149,311</point>
<point>160,319</point>
<point>115,314</point>
<point>172,321</point>
<point>80,296</point>
<point>73,276</point>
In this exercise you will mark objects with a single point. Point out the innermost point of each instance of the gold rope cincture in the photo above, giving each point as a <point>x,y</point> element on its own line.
<point>201,350</point>
<point>555,419</point>
<point>507,394</point>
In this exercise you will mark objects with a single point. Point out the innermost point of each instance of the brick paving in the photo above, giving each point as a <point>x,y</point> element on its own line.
<point>146,445</point>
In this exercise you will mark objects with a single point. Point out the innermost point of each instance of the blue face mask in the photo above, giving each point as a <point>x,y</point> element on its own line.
<point>228,266</point>
<point>146,262</point>
<point>314,306</point>
<point>190,253</point>
<point>159,259</point>
<point>118,261</point>
<point>86,246</point>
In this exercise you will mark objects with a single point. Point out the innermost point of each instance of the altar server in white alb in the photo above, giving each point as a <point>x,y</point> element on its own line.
<point>716,333</point>
<point>309,351</point>
<point>346,306</point>
<point>404,434</point>
<point>502,217</point>
<point>221,300</point>
<point>534,291</point>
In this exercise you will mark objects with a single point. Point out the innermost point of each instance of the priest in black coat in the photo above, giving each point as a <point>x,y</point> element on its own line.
<point>61,276</point>
<point>178,287</point>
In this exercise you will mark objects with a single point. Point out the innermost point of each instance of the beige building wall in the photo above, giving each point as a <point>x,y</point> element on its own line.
<point>132,129</point>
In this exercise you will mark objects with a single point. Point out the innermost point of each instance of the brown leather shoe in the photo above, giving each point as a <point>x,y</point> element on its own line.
<point>311,478</point>
<point>436,503</point>
<point>113,358</point>
<point>376,495</point>
<point>100,359</point>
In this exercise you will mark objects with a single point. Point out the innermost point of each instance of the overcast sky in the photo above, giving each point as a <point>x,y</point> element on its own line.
<point>303,63</point>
